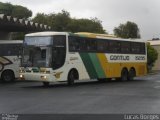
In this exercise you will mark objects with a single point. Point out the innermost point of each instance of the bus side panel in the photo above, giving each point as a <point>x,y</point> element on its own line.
<point>10,63</point>
<point>141,69</point>
<point>114,69</point>
<point>88,65</point>
<point>97,66</point>
<point>103,61</point>
<point>110,69</point>
<point>75,61</point>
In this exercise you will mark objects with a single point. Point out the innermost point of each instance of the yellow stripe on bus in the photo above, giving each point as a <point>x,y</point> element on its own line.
<point>103,61</point>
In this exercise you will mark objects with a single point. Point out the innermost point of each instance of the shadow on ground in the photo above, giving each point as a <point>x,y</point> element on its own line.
<point>81,83</point>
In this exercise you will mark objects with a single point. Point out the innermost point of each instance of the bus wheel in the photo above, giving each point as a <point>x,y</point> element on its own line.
<point>72,76</point>
<point>131,74</point>
<point>45,84</point>
<point>8,76</point>
<point>124,75</point>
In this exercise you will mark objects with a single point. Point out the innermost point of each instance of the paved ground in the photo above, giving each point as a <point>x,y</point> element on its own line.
<point>139,96</point>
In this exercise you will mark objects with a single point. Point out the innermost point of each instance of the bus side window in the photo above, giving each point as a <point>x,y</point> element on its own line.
<point>8,50</point>
<point>93,44</point>
<point>125,47</point>
<point>58,51</point>
<point>71,43</point>
<point>88,44</point>
<point>83,44</point>
<point>102,45</point>
<point>74,44</point>
<point>135,48</point>
<point>142,48</point>
<point>118,47</point>
<point>112,46</point>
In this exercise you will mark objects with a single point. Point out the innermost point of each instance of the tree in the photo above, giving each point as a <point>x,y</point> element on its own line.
<point>43,19</point>
<point>152,56</point>
<point>6,8</point>
<point>63,22</point>
<point>15,10</point>
<point>21,12</point>
<point>86,25</point>
<point>127,30</point>
<point>58,22</point>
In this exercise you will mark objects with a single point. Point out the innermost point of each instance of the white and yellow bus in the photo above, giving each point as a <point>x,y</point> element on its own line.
<point>10,59</point>
<point>62,56</point>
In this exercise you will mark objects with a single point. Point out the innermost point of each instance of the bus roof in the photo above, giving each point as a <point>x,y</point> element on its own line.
<point>11,41</point>
<point>95,34</point>
<point>84,34</point>
<point>106,36</point>
<point>49,33</point>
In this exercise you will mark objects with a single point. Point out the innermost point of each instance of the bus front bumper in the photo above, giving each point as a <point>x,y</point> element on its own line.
<point>37,77</point>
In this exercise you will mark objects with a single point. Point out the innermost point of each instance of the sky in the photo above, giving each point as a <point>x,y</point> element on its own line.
<point>145,13</point>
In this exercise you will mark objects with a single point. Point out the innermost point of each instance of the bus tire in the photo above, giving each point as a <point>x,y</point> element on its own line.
<point>132,74</point>
<point>45,84</point>
<point>72,76</point>
<point>8,76</point>
<point>124,75</point>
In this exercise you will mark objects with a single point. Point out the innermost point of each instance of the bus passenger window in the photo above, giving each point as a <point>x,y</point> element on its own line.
<point>101,46</point>
<point>74,44</point>
<point>135,48</point>
<point>125,47</point>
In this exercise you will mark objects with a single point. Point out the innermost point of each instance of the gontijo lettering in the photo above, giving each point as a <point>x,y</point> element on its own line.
<point>119,57</point>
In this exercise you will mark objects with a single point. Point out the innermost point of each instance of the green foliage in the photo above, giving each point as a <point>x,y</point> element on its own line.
<point>6,8</point>
<point>58,22</point>
<point>15,10</point>
<point>152,55</point>
<point>42,18</point>
<point>63,22</point>
<point>127,30</point>
<point>86,25</point>
<point>21,12</point>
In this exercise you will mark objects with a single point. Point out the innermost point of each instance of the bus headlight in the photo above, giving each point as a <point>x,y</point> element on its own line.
<point>44,77</point>
<point>21,77</point>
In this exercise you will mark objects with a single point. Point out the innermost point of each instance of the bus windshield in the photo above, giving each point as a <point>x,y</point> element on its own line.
<point>44,51</point>
<point>37,52</point>
<point>39,41</point>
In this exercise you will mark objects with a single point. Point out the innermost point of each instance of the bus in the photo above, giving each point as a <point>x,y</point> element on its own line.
<point>10,59</point>
<point>63,56</point>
